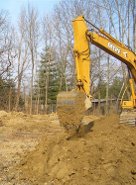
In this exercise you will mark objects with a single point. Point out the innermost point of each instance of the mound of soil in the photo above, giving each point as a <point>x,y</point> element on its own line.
<point>19,134</point>
<point>104,156</point>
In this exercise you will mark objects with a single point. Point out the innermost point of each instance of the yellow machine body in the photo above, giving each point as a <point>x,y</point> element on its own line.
<point>104,41</point>
<point>69,107</point>
<point>82,55</point>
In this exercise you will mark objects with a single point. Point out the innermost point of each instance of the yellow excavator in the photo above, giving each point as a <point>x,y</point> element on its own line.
<point>72,105</point>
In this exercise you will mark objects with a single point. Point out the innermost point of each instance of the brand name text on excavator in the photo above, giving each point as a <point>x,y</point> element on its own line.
<point>114,48</point>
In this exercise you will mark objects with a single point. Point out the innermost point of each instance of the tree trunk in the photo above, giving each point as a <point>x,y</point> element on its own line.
<point>107,86</point>
<point>31,93</point>
<point>9,100</point>
<point>134,26</point>
<point>99,85</point>
<point>18,94</point>
<point>46,93</point>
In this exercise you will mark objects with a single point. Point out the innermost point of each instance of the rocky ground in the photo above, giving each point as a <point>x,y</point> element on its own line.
<point>35,150</point>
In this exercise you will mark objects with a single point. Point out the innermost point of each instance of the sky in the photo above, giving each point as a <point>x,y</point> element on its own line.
<point>13,6</point>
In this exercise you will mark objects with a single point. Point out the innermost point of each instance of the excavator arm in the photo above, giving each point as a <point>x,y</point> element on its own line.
<point>114,48</point>
<point>70,105</point>
<point>104,41</point>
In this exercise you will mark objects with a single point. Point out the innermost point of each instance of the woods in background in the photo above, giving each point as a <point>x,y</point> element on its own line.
<point>36,54</point>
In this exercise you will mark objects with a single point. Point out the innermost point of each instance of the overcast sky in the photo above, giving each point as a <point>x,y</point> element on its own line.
<point>13,6</point>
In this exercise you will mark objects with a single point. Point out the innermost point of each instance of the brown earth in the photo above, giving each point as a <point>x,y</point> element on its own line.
<point>71,110</point>
<point>36,150</point>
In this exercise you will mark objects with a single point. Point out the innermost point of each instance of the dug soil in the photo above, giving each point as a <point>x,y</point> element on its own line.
<point>104,156</point>
<point>71,110</point>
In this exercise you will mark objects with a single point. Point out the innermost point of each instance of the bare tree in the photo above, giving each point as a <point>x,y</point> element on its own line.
<point>32,39</point>
<point>5,43</point>
<point>21,52</point>
<point>133,3</point>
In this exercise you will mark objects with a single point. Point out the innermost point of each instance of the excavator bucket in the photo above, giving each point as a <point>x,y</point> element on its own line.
<point>71,111</point>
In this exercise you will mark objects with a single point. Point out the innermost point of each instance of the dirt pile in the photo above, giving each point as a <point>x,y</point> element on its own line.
<point>104,156</point>
<point>19,134</point>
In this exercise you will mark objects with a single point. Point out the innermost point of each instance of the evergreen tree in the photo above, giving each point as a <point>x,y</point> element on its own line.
<point>48,78</point>
<point>101,88</point>
<point>115,87</point>
<point>7,94</point>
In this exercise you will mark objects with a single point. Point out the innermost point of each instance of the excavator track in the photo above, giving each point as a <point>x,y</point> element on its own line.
<point>128,117</point>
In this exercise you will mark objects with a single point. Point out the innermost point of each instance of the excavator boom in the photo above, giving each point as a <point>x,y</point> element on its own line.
<point>72,105</point>
<point>103,40</point>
